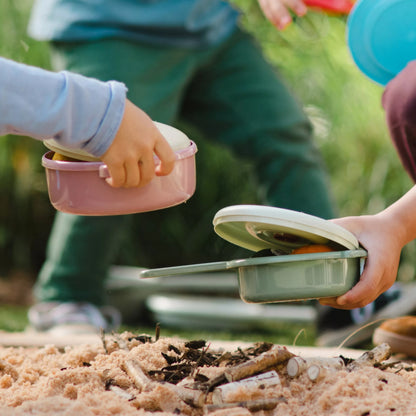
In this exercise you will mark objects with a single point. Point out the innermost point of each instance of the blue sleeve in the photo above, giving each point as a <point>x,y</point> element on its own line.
<point>77,111</point>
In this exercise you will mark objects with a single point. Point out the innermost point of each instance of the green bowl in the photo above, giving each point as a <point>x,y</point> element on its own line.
<point>284,278</point>
<point>298,276</point>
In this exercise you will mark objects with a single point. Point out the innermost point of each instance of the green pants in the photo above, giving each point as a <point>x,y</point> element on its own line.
<point>234,98</point>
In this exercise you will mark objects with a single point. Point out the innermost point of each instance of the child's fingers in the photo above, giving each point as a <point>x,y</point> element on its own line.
<point>147,169</point>
<point>297,6</point>
<point>278,12</point>
<point>133,177</point>
<point>117,175</point>
<point>357,297</point>
<point>166,156</point>
<point>364,292</point>
<point>329,301</point>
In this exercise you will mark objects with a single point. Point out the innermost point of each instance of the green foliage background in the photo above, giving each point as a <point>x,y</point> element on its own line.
<point>344,106</point>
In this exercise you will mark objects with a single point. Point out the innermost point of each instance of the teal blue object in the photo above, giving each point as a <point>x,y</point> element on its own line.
<point>381,36</point>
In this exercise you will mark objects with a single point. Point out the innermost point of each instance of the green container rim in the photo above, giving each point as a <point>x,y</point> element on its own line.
<point>293,258</point>
<point>252,261</point>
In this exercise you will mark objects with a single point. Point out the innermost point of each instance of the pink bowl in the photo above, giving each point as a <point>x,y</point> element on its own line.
<point>80,188</point>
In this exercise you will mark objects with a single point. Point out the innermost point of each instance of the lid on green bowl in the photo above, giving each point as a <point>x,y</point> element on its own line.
<point>177,140</point>
<point>257,227</point>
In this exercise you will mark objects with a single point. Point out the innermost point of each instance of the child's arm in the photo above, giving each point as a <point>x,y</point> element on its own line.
<point>383,235</point>
<point>83,113</point>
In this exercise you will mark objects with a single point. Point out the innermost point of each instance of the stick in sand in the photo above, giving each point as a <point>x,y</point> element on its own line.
<point>316,372</point>
<point>370,358</point>
<point>221,394</point>
<point>195,398</point>
<point>140,379</point>
<point>277,355</point>
<point>121,393</point>
<point>297,365</point>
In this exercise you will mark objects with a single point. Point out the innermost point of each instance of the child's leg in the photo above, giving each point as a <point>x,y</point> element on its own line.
<point>81,249</point>
<point>399,102</point>
<point>237,99</point>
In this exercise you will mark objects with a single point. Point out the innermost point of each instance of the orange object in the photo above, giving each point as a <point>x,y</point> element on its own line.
<point>331,6</point>
<point>313,248</point>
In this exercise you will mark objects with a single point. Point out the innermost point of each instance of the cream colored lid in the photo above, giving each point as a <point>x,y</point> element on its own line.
<point>176,138</point>
<point>257,227</point>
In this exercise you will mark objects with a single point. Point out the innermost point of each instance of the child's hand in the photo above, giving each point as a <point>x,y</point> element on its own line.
<point>130,157</point>
<point>379,238</point>
<point>277,11</point>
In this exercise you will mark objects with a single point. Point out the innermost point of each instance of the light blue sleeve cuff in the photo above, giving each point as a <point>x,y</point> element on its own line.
<point>77,111</point>
<point>110,123</point>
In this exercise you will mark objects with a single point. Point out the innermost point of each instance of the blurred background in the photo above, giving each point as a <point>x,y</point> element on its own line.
<point>364,170</point>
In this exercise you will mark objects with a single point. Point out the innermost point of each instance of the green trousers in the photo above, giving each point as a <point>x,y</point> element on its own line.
<point>232,95</point>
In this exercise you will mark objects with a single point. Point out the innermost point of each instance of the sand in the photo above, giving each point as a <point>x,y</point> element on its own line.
<point>92,380</point>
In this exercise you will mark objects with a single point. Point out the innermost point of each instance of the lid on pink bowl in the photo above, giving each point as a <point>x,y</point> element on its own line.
<point>177,140</point>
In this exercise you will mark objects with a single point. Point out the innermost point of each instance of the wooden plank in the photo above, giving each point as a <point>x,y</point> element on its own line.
<point>34,339</point>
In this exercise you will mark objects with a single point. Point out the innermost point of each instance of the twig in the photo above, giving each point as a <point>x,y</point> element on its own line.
<point>372,323</point>
<point>216,381</point>
<point>316,372</point>
<point>297,336</point>
<point>120,392</point>
<point>195,398</point>
<point>221,394</point>
<point>140,379</point>
<point>297,365</point>
<point>102,336</point>
<point>120,341</point>
<point>370,358</point>
<point>157,332</point>
<point>268,359</point>
<point>203,354</point>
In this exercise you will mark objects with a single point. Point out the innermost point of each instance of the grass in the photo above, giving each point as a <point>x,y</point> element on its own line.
<point>13,318</point>
<point>279,333</point>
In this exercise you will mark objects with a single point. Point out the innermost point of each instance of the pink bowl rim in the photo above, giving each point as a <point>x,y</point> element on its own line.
<point>48,163</point>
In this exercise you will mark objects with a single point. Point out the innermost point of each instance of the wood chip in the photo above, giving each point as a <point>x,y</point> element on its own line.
<point>139,377</point>
<point>222,393</point>
<point>370,358</point>
<point>297,365</point>
<point>276,355</point>
<point>121,393</point>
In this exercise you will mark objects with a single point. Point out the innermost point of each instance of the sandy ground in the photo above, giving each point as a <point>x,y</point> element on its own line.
<point>179,377</point>
<point>42,375</point>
